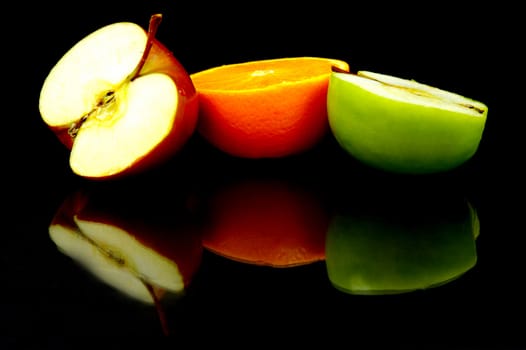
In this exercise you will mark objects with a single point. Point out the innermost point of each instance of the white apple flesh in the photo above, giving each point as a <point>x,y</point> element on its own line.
<point>120,101</point>
<point>140,258</point>
<point>117,268</point>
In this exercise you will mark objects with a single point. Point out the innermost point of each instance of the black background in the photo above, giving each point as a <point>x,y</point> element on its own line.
<point>471,51</point>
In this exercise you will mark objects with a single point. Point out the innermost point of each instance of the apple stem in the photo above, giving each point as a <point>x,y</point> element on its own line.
<point>158,308</point>
<point>155,21</point>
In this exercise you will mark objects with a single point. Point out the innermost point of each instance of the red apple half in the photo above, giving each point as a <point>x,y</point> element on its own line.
<point>120,101</point>
<point>142,256</point>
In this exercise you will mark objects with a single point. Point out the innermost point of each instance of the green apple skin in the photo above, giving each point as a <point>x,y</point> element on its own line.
<point>398,136</point>
<point>371,254</point>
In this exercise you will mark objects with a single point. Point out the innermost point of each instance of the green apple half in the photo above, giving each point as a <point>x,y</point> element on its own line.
<point>401,125</point>
<point>401,248</point>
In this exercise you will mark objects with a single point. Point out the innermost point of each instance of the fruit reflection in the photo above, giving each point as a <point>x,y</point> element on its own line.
<point>397,245</point>
<point>269,222</point>
<point>130,241</point>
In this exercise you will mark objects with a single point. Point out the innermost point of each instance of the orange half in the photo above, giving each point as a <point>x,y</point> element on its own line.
<point>265,109</point>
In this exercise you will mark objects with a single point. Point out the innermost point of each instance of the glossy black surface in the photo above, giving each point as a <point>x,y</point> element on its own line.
<point>46,294</point>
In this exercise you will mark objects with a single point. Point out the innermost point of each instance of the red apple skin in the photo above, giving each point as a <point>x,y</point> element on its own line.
<point>63,135</point>
<point>160,60</point>
<point>178,240</point>
<point>69,208</point>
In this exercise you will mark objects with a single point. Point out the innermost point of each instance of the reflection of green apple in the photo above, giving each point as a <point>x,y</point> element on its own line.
<point>406,249</point>
<point>401,125</point>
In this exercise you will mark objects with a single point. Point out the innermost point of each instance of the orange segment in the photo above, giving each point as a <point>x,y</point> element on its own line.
<point>267,108</point>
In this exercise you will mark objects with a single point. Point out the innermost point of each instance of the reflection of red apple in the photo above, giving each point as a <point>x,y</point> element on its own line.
<point>142,256</point>
<point>120,101</point>
<point>269,223</point>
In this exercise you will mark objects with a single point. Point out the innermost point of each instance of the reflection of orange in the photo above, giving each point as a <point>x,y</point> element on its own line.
<point>267,108</point>
<point>266,223</point>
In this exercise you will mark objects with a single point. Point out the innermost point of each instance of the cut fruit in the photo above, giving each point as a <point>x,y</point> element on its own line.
<point>120,101</point>
<point>266,222</point>
<point>402,125</point>
<point>382,245</point>
<point>133,250</point>
<point>267,108</point>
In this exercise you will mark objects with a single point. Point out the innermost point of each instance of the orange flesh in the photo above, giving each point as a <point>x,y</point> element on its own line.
<point>264,74</point>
